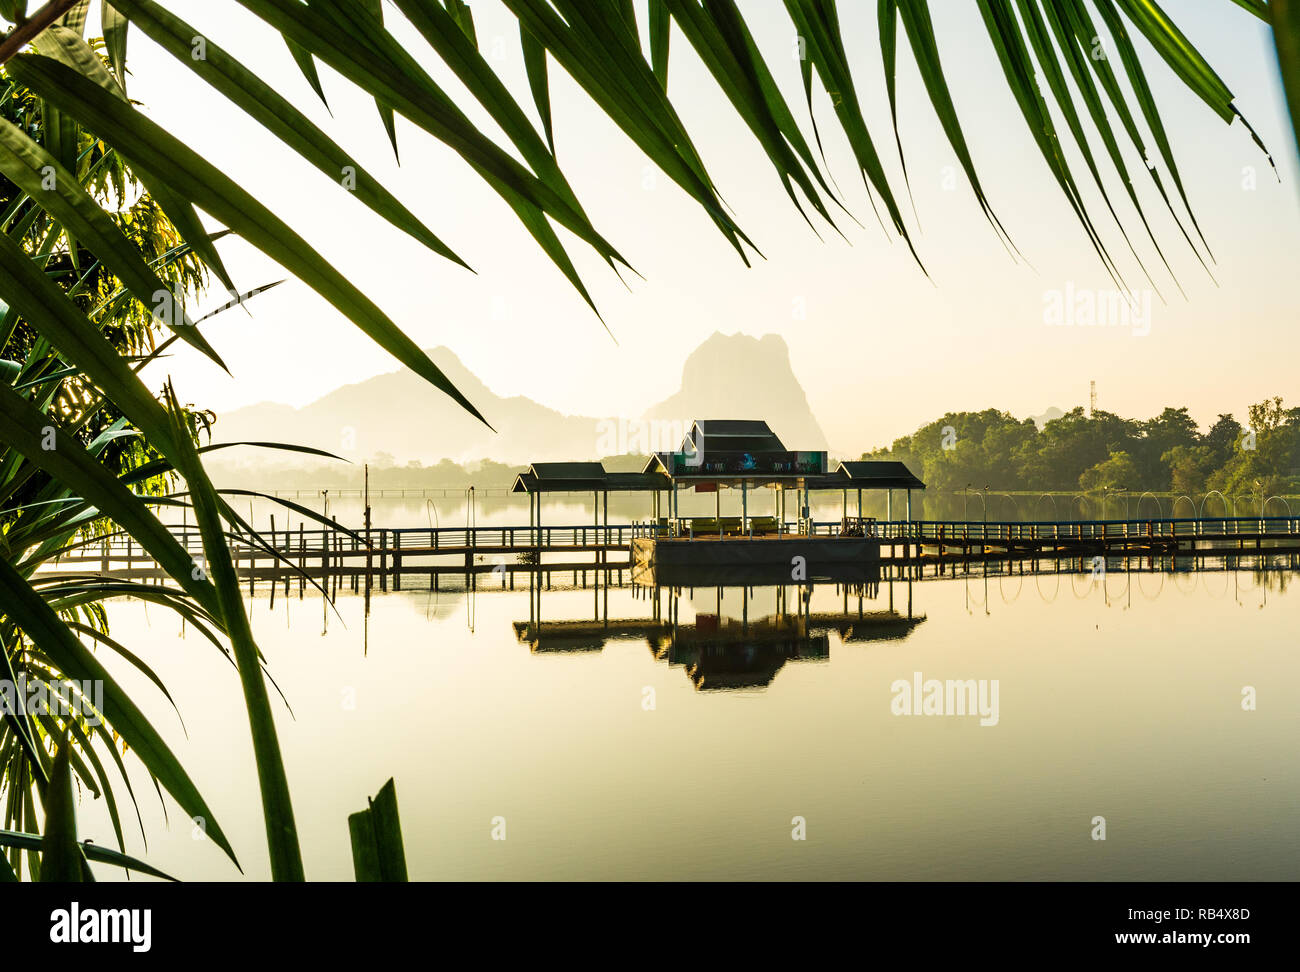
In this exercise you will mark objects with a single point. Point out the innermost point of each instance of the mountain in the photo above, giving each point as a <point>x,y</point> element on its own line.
<point>397,417</point>
<point>1050,415</point>
<point>740,377</point>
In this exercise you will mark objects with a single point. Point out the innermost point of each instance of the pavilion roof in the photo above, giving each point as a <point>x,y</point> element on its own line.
<point>590,481</point>
<point>728,435</point>
<point>879,474</point>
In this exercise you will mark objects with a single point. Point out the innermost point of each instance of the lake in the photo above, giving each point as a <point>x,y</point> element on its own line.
<point>610,730</point>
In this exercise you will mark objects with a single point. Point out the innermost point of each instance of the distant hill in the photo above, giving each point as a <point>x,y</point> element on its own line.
<point>397,418</point>
<point>400,417</point>
<point>740,377</point>
<point>1051,414</point>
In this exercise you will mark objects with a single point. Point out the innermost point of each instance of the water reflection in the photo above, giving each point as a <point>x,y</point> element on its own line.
<point>876,600</point>
<point>737,636</point>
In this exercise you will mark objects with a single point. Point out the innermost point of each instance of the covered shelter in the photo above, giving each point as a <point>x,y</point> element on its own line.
<point>582,477</point>
<point>718,454</point>
<point>888,475</point>
<point>742,454</point>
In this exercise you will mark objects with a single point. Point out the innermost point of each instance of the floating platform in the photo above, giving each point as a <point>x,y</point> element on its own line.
<point>751,575</point>
<point>784,552</point>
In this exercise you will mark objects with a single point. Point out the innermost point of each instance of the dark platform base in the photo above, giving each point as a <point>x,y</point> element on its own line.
<point>817,552</point>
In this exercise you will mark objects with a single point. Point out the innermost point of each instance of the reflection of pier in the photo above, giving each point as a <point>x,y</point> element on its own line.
<point>718,650</point>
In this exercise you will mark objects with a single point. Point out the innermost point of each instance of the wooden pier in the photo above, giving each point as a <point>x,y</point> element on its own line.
<point>391,552</point>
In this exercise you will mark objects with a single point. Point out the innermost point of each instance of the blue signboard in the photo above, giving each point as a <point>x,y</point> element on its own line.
<point>744,464</point>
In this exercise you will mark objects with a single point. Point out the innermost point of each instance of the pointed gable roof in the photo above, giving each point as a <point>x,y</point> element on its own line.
<point>749,435</point>
<point>879,474</point>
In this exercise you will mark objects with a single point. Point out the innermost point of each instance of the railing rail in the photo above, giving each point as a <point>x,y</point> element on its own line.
<point>322,541</point>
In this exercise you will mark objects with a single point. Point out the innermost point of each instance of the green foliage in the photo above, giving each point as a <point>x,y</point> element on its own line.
<point>1114,472</point>
<point>1189,467</point>
<point>61,858</point>
<point>1077,451</point>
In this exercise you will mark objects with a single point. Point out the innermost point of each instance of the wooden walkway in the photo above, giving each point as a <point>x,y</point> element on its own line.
<point>511,548</point>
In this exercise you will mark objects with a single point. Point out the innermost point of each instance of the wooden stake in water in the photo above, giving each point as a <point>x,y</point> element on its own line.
<point>366,483</point>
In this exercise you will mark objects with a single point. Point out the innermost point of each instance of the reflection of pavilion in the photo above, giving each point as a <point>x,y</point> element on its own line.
<point>722,653</point>
<point>719,650</point>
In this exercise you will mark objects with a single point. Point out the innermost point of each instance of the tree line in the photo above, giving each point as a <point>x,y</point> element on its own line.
<point>1078,451</point>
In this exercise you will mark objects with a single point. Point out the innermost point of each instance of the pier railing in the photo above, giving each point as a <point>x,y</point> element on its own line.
<point>320,545</point>
<point>987,530</point>
<point>311,545</point>
<point>1152,527</point>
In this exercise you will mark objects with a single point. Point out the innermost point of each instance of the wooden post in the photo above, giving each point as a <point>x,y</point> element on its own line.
<point>366,486</point>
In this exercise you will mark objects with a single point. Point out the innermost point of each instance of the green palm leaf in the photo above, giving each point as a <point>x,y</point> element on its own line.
<point>153,150</point>
<point>48,631</point>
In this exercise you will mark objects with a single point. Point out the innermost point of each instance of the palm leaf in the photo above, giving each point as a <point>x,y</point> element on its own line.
<point>101,855</point>
<point>61,858</point>
<point>153,150</point>
<point>47,631</point>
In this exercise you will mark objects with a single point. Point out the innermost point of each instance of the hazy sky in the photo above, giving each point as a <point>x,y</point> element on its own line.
<point>879,348</point>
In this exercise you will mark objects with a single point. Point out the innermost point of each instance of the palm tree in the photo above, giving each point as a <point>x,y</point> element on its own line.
<point>617,51</point>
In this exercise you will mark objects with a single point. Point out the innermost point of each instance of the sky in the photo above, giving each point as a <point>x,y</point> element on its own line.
<point>879,347</point>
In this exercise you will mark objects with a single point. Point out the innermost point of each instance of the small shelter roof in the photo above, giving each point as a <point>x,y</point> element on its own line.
<point>878,474</point>
<point>567,470</point>
<point>582,478</point>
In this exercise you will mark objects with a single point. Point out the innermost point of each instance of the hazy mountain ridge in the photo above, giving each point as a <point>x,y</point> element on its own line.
<point>397,418</point>
<point>741,377</point>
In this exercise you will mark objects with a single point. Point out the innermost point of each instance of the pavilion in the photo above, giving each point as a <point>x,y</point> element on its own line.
<point>718,454</point>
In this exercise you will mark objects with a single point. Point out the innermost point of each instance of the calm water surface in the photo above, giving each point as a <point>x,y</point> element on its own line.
<point>648,733</point>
